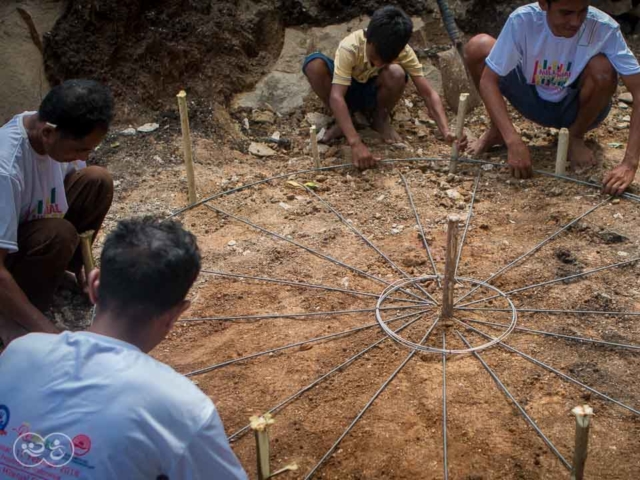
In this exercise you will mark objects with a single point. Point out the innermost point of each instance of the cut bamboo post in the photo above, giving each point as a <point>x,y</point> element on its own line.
<point>450,268</point>
<point>583,415</point>
<point>260,426</point>
<point>186,143</point>
<point>314,145</point>
<point>563,149</point>
<point>462,111</point>
<point>86,240</point>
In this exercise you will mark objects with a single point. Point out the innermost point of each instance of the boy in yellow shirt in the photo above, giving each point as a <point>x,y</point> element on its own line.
<point>369,74</point>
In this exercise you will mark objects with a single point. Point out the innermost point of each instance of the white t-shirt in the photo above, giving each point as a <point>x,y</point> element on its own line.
<point>31,185</point>
<point>552,63</point>
<point>105,411</point>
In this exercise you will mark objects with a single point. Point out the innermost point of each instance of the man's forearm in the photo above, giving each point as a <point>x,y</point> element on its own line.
<point>632,155</point>
<point>343,117</point>
<point>436,111</point>
<point>16,307</point>
<point>497,107</point>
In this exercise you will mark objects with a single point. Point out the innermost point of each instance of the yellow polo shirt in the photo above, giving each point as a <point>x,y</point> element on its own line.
<point>351,61</point>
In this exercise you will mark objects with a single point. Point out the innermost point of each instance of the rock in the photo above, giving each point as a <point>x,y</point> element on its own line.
<point>263,116</point>
<point>321,178</point>
<point>453,194</point>
<point>623,106</point>
<point>232,243</point>
<point>610,237</point>
<point>487,167</point>
<point>320,120</point>
<point>455,81</point>
<point>284,205</point>
<point>261,150</point>
<point>400,146</point>
<point>622,125</point>
<point>148,127</point>
<point>626,98</point>
<point>323,148</point>
<point>414,260</point>
<point>626,118</point>
<point>128,132</point>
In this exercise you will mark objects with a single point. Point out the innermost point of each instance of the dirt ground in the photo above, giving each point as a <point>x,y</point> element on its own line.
<point>400,436</point>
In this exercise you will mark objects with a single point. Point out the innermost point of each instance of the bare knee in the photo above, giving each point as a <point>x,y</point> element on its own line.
<point>600,71</point>
<point>479,47</point>
<point>316,68</point>
<point>392,76</point>
<point>98,177</point>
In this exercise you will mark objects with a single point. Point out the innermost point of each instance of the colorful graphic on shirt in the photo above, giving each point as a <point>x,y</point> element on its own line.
<point>5,415</point>
<point>47,208</point>
<point>551,74</point>
<point>82,445</point>
<point>31,449</point>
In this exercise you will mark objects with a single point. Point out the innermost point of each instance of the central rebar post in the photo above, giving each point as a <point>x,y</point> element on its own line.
<point>450,269</point>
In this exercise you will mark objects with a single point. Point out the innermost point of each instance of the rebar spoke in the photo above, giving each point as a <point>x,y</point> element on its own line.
<point>320,379</point>
<point>366,407</point>
<point>306,285</point>
<point>506,391</point>
<point>538,310</point>
<point>307,249</point>
<point>466,227</point>
<point>556,335</point>
<point>422,234</point>
<point>269,316</point>
<point>555,280</point>
<point>444,407</point>
<point>331,336</point>
<point>553,370</point>
<point>368,242</point>
<point>533,250</point>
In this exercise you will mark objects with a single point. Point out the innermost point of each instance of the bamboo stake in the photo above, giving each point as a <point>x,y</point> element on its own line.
<point>314,145</point>
<point>450,268</point>
<point>186,143</point>
<point>563,149</point>
<point>583,419</point>
<point>260,426</point>
<point>462,111</point>
<point>86,239</point>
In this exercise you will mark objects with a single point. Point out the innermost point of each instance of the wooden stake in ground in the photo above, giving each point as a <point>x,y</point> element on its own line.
<point>86,239</point>
<point>314,145</point>
<point>563,149</point>
<point>450,268</point>
<point>462,111</point>
<point>260,427</point>
<point>186,143</point>
<point>583,419</point>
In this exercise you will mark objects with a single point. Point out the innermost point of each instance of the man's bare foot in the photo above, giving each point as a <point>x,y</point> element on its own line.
<point>331,134</point>
<point>386,131</point>
<point>580,155</point>
<point>490,138</point>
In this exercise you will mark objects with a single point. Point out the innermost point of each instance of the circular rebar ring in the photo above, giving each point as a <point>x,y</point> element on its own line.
<point>423,348</point>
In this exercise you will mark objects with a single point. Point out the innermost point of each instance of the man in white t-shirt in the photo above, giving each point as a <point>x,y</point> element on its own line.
<point>48,197</point>
<point>93,405</point>
<point>557,62</point>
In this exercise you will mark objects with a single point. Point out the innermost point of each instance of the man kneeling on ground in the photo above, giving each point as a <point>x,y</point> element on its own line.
<point>47,197</point>
<point>369,74</point>
<point>557,62</point>
<point>114,411</point>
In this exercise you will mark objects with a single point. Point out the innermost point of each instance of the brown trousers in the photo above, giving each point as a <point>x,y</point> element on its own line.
<point>48,247</point>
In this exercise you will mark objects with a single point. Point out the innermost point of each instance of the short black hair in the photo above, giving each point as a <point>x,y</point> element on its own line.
<point>78,108</point>
<point>389,31</point>
<point>147,266</point>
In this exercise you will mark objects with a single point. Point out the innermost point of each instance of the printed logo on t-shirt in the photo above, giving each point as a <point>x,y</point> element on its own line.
<point>551,74</point>
<point>47,208</point>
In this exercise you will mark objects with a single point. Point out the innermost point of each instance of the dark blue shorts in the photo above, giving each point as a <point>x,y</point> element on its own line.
<point>525,99</point>
<point>361,97</point>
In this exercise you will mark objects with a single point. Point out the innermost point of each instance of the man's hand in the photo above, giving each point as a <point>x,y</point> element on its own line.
<point>519,160</point>
<point>361,156</point>
<point>462,143</point>
<point>617,180</point>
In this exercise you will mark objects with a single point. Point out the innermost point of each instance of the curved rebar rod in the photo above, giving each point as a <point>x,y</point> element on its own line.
<point>553,370</point>
<point>444,407</point>
<point>366,407</point>
<point>422,234</point>
<point>524,413</point>
<point>297,315</point>
<point>555,280</point>
<point>557,335</point>
<point>533,250</point>
<point>368,242</point>
<point>304,284</point>
<point>466,227</point>
<point>554,311</point>
<point>308,249</point>
<point>320,379</point>
<point>291,345</point>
